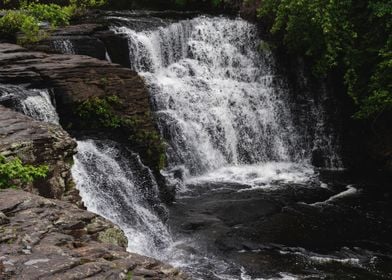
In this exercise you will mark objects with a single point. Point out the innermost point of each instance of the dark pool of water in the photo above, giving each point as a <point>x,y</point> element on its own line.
<point>341,229</point>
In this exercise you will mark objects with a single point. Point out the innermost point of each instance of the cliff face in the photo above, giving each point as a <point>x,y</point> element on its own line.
<point>78,80</point>
<point>39,143</point>
<point>51,239</point>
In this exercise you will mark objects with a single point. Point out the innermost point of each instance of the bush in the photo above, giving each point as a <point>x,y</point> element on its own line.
<point>29,15</point>
<point>14,173</point>
<point>346,35</point>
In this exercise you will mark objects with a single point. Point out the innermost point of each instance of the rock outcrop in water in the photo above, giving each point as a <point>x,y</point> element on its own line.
<point>51,239</point>
<point>39,143</point>
<point>76,79</point>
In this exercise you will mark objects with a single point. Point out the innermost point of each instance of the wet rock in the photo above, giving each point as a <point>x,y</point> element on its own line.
<point>38,143</point>
<point>113,236</point>
<point>75,79</point>
<point>39,242</point>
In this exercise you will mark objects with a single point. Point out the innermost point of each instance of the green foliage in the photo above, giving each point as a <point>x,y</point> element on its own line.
<point>14,173</point>
<point>30,14</point>
<point>52,13</point>
<point>14,21</point>
<point>352,36</point>
<point>101,113</point>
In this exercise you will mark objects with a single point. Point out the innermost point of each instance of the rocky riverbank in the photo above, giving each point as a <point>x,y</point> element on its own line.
<point>57,239</point>
<point>51,239</point>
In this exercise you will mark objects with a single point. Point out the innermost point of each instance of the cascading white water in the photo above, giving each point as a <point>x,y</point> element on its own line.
<point>216,95</point>
<point>35,103</point>
<point>124,191</point>
<point>64,46</point>
<point>40,107</point>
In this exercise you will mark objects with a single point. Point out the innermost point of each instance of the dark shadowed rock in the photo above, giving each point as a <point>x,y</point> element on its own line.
<point>51,239</point>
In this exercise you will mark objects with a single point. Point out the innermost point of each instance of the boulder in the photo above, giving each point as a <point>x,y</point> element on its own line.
<point>38,143</point>
<point>53,239</point>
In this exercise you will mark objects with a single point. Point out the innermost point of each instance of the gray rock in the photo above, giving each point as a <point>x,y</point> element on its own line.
<point>38,143</point>
<point>53,239</point>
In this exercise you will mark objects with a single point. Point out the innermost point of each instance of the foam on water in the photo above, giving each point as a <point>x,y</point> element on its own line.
<point>350,190</point>
<point>258,176</point>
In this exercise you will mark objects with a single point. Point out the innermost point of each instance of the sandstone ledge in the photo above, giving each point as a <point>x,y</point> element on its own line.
<point>51,239</point>
<point>39,143</point>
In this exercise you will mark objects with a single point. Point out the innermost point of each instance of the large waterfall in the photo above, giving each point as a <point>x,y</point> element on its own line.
<point>218,99</point>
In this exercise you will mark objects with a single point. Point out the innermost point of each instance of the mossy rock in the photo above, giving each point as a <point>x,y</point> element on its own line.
<point>113,236</point>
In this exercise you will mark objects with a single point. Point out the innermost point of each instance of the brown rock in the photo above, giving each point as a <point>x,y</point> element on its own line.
<point>33,245</point>
<point>38,143</point>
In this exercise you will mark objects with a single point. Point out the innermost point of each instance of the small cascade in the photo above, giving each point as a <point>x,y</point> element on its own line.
<point>35,103</point>
<point>64,46</point>
<point>107,56</point>
<point>124,191</point>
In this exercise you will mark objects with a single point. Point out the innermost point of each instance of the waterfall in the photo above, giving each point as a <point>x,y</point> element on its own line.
<point>64,46</point>
<point>124,191</point>
<point>217,96</point>
<point>107,57</point>
<point>35,103</point>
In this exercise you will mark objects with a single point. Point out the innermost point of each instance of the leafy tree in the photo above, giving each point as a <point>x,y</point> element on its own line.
<point>14,173</point>
<point>351,35</point>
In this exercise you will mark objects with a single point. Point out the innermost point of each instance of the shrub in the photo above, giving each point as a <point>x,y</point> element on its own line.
<point>14,173</point>
<point>353,37</point>
<point>29,15</point>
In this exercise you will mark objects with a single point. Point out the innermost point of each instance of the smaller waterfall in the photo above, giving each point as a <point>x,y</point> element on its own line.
<point>40,107</point>
<point>64,46</point>
<point>107,57</point>
<point>124,191</point>
<point>35,103</point>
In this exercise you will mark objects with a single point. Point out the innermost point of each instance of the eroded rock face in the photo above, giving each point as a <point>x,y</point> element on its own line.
<point>39,143</point>
<point>75,79</point>
<point>52,239</point>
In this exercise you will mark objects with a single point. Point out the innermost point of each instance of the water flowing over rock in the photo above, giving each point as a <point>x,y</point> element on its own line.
<point>35,103</point>
<point>116,185</point>
<point>218,99</point>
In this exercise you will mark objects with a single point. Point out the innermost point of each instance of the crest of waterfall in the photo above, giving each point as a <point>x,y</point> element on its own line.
<point>216,95</point>
<point>124,191</point>
<point>64,46</point>
<point>35,103</point>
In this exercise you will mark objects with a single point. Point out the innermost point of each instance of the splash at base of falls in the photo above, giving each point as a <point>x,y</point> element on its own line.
<point>263,176</point>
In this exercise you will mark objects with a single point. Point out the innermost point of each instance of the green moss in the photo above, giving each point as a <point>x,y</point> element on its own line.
<point>113,236</point>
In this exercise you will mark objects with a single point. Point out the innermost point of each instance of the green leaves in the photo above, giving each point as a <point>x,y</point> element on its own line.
<point>31,14</point>
<point>14,173</point>
<point>352,36</point>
